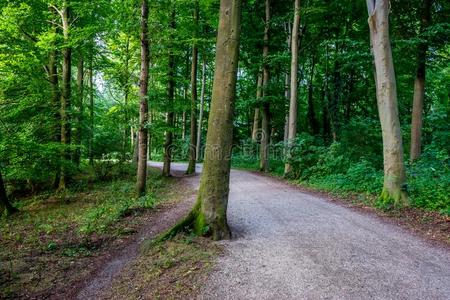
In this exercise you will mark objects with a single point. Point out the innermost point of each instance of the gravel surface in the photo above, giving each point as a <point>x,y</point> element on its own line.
<point>291,245</point>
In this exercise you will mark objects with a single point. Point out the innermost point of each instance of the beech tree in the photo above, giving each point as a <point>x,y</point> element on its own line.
<point>419,84</point>
<point>292,128</point>
<point>143,110</point>
<point>386,89</point>
<point>209,215</point>
<point>194,69</point>
<point>265,110</point>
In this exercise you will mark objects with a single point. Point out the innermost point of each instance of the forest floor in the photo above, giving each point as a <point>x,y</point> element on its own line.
<point>79,246</point>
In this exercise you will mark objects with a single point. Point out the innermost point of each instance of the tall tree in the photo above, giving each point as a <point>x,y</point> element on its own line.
<point>292,131</point>
<point>170,99</point>
<point>265,116</point>
<point>209,215</point>
<point>91,108</point>
<point>194,67</point>
<point>256,116</point>
<point>419,83</point>
<point>202,106</point>
<point>79,110</point>
<point>66,91</point>
<point>386,89</point>
<point>143,106</point>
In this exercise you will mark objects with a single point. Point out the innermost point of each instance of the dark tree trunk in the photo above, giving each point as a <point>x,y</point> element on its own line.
<point>143,109</point>
<point>4,202</point>
<point>265,116</point>
<point>419,86</point>
<point>313,124</point>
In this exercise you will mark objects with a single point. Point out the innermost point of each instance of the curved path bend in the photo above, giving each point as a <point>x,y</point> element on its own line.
<point>291,245</point>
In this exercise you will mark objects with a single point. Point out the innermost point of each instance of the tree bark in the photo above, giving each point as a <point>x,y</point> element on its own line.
<point>5,206</point>
<point>66,94</point>
<point>394,170</point>
<point>79,121</point>
<point>143,107</point>
<point>257,115</point>
<point>194,67</point>
<point>292,132</point>
<point>265,116</point>
<point>419,86</point>
<point>200,117</point>
<point>170,99</point>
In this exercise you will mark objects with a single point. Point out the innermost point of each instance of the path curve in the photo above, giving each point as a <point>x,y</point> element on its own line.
<point>291,245</point>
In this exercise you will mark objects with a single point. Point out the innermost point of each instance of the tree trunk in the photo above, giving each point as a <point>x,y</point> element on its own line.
<point>419,86</point>
<point>66,94</point>
<point>294,87</point>
<point>183,119</point>
<point>265,117</point>
<point>394,170</point>
<point>91,108</point>
<point>79,121</point>
<point>193,131</point>
<point>126,92</point>
<point>4,202</point>
<point>143,109</point>
<point>209,216</point>
<point>313,124</point>
<point>256,119</point>
<point>200,117</point>
<point>287,90</point>
<point>56,104</point>
<point>170,99</point>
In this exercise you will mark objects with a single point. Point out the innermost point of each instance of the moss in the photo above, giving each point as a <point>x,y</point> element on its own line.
<point>389,200</point>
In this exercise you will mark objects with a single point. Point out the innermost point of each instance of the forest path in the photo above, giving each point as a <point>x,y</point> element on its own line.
<point>288,244</point>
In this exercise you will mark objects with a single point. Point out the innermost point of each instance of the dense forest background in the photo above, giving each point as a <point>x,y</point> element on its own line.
<point>69,91</point>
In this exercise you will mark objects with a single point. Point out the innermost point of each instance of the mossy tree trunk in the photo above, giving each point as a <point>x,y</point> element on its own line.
<point>194,68</point>
<point>209,215</point>
<point>143,109</point>
<point>394,170</point>
<point>170,99</point>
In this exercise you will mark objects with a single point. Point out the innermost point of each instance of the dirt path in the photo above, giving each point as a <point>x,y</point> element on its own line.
<point>97,285</point>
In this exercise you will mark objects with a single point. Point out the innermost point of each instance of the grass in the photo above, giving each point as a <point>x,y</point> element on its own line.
<point>49,241</point>
<point>173,269</point>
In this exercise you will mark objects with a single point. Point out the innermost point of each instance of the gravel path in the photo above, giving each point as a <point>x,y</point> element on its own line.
<point>291,245</point>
